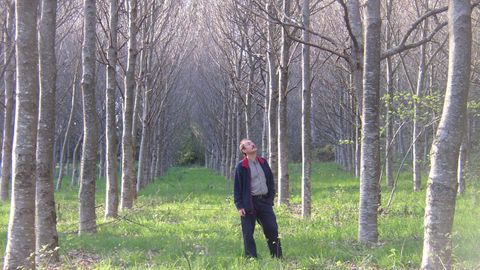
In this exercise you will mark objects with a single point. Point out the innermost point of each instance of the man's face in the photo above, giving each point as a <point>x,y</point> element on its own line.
<point>249,147</point>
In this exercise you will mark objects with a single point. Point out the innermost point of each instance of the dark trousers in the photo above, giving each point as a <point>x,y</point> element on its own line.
<point>266,218</point>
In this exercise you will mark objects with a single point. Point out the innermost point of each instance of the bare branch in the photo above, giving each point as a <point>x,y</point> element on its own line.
<point>402,47</point>
<point>347,23</point>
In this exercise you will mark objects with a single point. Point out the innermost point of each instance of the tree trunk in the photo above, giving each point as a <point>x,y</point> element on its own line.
<point>153,154</point>
<point>146,93</point>
<point>159,144</point>
<point>346,127</point>
<point>128,154</point>
<point>417,125</point>
<point>238,131</point>
<point>340,131</point>
<point>101,161</point>
<point>273,96</point>
<point>265,122</point>
<point>463,158</point>
<point>67,157</point>
<point>67,133</point>
<point>136,118</point>
<point>46,216</point>
<point>111,201</point>
<point>20,250</point>
<point>136,115</point>
<point>370,158</point>
<point>283,188</point>
<point>73,181</point>
<point>143,160</point>
<point>357,74</point>
<point>88,168</point>
<point>153,161</point>
<point>230,134</point>
<point>158,152</point>
<point>389,127</point>
<point>306,114</point>
<point>233,137</point>
<point>223,142</point>
<point>442,182</point>
<point>9,61</point>
<point>248,95</point>
<point>389,153</point>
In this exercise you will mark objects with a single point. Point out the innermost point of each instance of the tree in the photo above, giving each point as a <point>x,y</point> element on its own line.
<point>306,113</point>
<point>21,224</point>
<point>74,180</point>
<point>111,204</point>
<point>416,133</point>
<point>90,130</point>
<point>370,152</point>
<point>9,62</point>
<point>442,180</point>
<point>283,187</point>
<point>128,158</point>
<point>46,217</point>
<point>272,93</point>
<point>146,88</point>
<point>388,104</point>
<point>63,152</point>
<point>354,23</point>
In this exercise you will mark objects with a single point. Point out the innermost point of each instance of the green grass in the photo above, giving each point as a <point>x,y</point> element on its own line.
<point>187,220</point>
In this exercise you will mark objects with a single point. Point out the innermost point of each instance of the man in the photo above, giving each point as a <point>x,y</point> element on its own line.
<point>253,194</point>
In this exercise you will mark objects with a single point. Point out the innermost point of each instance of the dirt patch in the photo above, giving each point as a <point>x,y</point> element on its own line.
<point>75,259</point>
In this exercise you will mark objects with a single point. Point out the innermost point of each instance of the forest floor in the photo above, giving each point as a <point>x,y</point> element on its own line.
<point>187,220</point>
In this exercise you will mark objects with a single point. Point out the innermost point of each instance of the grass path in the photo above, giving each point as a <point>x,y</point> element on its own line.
<point>187,220</point>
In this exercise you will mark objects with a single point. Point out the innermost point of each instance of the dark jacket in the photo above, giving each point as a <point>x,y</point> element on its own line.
<point>242,191</point>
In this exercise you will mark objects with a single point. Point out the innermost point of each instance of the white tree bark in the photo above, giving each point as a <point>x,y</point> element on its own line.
<point>111,201</point>
<point>248,95</point>
<point>225,133</point>
<point>306,114</point>
<point>442,181</point>
<point>142,177</point>
<point>128,157</point>
<point>20,250</point>
<point>462,162</point>
<point>283,185</point>
<point>389,153</point>
<point>417,125</point>
<point>88,169</point>
<point>272,95</point>
<point>46,216</point>
<point>73,181</point>
<point>463,159</point>
<point>67,133</point>
<point>389,127</point>
<point>230,135</point>
<point>159,144</point>
<point>9,61</point>
<point>146,92</point>
<point>101,158</point>
<point>233,138</point>
<point>265,120</point>
<point>356,60</point>
<point>370,156</point>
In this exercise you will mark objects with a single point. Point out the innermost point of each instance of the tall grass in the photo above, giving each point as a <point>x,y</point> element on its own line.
<point>187,220</point>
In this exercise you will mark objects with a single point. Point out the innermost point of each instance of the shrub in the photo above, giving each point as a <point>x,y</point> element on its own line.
<point>325,153</point>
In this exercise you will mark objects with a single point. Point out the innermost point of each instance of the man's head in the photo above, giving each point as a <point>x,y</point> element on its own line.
<point>247,147</point>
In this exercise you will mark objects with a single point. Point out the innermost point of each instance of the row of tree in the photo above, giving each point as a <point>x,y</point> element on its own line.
<point>141,43</point>
<point>378,82</point>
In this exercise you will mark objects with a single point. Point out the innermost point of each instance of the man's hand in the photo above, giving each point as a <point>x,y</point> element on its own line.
<point>241,211</point>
